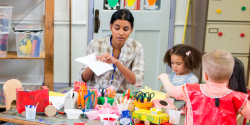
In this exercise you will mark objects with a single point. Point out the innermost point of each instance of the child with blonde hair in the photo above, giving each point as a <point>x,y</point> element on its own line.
<point>212,103</point>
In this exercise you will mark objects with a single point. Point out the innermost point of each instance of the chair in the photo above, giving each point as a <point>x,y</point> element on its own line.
<point>9,89</point>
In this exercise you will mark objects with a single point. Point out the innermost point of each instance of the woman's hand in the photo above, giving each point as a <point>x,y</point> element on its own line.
<point>107,58</point>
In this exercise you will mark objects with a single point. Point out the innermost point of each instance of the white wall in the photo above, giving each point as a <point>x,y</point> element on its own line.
<point>180,16</point>
<point>61,38</point>
<point>78,41</point>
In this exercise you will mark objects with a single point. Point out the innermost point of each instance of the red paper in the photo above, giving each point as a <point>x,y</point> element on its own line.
<point>32,98</point>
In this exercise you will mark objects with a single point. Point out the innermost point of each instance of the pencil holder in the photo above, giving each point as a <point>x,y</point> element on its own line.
<point>131,106</point>
<point>145,105</point>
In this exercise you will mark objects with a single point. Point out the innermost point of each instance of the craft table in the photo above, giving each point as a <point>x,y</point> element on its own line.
<point>13,117</point>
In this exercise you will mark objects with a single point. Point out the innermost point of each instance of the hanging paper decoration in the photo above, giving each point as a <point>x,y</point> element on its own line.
<point>130,4</point>
<point>150,4</point>
<point>112,4</point>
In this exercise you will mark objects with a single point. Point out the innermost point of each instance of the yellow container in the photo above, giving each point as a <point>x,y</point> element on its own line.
<point>146,105</point>
<point>145,115</point>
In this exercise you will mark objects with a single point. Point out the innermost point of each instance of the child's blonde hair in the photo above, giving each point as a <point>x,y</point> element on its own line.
<point>218,65</point>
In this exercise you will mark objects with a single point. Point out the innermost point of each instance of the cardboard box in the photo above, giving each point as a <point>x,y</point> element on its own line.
<point>32,98</point>
<point>144,115</point>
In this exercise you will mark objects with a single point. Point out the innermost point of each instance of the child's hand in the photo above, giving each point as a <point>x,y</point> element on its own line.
<point>163,76</point>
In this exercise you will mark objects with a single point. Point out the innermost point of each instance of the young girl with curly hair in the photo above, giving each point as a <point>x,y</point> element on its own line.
<point>183,59</point>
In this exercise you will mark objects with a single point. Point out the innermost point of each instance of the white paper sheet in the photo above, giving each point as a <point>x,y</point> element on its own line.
<point>58,101</point>
<point>97,67</point>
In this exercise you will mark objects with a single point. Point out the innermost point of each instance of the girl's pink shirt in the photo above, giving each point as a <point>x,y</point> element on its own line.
<point>211,89</point>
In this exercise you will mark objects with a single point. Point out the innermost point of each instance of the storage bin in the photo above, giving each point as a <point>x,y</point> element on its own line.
<point>3,43</point>
<point>73,113</point>
<point>5,18</point>
<point>30,79</point>
<point>28,40</point>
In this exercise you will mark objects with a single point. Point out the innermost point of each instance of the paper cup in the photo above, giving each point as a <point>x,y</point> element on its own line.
<point>30,111</point>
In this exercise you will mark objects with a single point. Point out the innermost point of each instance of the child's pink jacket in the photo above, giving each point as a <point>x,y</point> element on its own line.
<point>210,89</point>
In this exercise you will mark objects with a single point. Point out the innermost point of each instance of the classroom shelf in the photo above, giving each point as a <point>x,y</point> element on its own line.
<point>13,55</point>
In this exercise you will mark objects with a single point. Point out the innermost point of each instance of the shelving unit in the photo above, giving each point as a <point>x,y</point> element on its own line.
<point>48,55</point>
<point>13,55</point>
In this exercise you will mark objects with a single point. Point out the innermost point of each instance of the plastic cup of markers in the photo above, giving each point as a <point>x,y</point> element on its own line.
<point>30,111</point>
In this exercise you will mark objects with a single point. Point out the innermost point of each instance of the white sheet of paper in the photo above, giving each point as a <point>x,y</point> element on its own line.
<point>97,67</point>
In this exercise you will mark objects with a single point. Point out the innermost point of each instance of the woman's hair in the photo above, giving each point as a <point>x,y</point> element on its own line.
<point>237,80</point>
<point>123,14</point>
<point>191,56</point>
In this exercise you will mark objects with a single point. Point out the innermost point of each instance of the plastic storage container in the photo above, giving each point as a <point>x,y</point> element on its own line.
<point>28,40</point>
<point>30,79</point>
<point>3,43</point>
<point>73,113</point>
<point>4,78</point>
<point>5,18</point>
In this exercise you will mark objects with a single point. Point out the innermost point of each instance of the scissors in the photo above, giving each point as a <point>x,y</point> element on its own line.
<point>111,93</point>
<point>141,97</point>
<point>102,91</point>
<point>80,99</point>
<point>135,94</point>
<point>149,96</point>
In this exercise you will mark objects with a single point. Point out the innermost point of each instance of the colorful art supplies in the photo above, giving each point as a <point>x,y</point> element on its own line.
<point>28,40</point>
<point>103,91</point>
<point>106,108</point>
<point>81,123</point>
<point>163,103</point>
<point>127,95</point>
<point>123,105</point>
<point>50,110</point>
<point>146,115</point>
<point>78,84</point>
<point>101,100</point>
<point>92,115</point>
<point>102,116</point>
<point>71,100</point>
<point>80,100</point>
<point>51,93</point>
<point>143,105</point>
<point>125,118</point>
<point>111,93</point>
<point>91,99</point>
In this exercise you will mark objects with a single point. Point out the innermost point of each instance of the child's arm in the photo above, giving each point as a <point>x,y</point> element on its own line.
<point>168,86</point>
<point>245,112</point>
